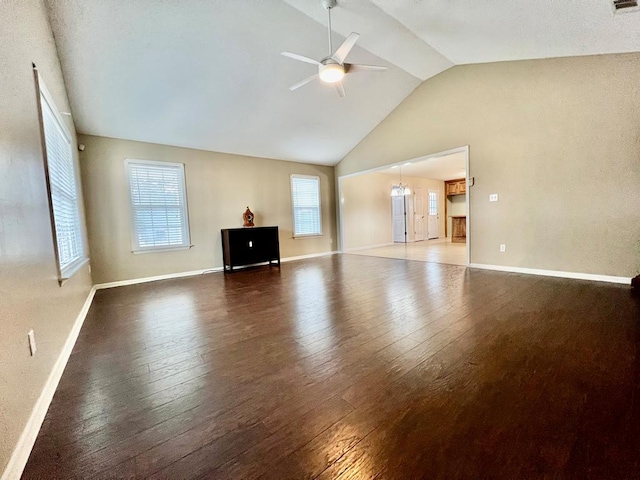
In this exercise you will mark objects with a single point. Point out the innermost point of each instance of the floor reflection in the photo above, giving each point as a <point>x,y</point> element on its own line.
<point>312,319</point>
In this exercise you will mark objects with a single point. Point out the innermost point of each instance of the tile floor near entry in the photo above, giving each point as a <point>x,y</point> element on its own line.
<point>440,250</point>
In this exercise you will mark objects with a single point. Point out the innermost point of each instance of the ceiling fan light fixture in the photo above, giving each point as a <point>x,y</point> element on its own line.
<point>331,72</point>
<point>332,69</point>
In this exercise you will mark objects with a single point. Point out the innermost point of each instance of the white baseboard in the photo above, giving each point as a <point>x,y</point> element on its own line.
<point>133,281</point>
<point>554,273</point>
<point>27,439</point>
<point>193,273</point>
<point>355,249</point>
<point>311,255</point>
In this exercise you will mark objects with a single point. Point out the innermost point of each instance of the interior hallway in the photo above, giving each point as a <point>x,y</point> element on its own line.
<point>439,250</point>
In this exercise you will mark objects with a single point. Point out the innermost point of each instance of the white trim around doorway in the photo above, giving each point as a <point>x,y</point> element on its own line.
<point>464,150</point>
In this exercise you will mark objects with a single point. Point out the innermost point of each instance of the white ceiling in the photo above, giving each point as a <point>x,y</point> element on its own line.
<point>208,74</point>
<point>447,167</point>
<point>476,31</point>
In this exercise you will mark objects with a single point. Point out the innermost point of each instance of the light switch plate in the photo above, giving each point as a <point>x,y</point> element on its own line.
<point>493,197</point>
<point>503,248</point>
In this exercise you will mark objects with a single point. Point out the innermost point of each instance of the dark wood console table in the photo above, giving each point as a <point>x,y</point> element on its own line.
<point>249,246</point>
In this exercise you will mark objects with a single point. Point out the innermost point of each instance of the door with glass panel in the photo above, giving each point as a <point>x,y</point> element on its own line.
<point>418,214</point>
<point>433,217</point>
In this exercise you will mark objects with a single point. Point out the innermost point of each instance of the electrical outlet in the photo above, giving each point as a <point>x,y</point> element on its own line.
<point>493,197</point>
<point>32,342</point>
<point>503,248</point>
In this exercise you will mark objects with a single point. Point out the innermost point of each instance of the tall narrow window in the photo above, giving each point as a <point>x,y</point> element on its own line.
<point>433,203</point>
<point>305,195</point>
<point>62,185</point>
<point>158,205</point>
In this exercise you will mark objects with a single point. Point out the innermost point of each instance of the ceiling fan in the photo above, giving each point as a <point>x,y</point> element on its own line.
<point>333,68</point>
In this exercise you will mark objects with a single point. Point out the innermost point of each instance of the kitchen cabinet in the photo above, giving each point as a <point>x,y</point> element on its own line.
<point>456,187</point>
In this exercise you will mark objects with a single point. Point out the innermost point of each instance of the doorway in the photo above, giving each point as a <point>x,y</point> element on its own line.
<point>418,213</point>
<point>412,227</point>
<point>399,206</point>
<point>434,216</point>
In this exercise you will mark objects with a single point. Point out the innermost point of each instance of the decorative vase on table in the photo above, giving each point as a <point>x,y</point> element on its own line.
<point>248,218</point>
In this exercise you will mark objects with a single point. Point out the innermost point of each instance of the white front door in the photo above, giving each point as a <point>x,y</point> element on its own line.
<point>398,219</point>
<point>418,214</point>
<point>432,223</point>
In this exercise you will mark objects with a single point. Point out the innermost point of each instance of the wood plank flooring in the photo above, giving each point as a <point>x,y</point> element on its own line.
<point>351,367</point>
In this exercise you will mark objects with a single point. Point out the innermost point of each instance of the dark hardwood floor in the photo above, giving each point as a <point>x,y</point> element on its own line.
<point>351,367</point>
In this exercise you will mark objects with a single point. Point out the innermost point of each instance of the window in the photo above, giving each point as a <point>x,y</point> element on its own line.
<point>305,195</point>
<point>158,205</point>
<point>63,189</point>
<point>433,203</point>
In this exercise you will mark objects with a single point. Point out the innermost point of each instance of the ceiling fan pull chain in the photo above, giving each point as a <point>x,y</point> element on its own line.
<point>329,25</point>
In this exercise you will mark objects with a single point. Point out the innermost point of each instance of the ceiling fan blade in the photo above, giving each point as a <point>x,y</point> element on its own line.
<point>340,89</point>
<point>346,47</point>
<point>300,58</point>
<point>302,83</point>
<point>354,68</point>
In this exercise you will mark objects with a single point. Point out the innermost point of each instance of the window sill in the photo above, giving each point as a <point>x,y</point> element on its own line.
<point>161,249</point>
<point>71,270</point>
<point>310,235</point>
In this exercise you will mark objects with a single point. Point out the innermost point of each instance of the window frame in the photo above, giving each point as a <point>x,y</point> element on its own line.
<point>66,272</point>
<point>135,247</point>
<point>293,207</point>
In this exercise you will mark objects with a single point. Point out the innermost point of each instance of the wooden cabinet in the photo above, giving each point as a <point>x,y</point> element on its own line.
<point>248,246</point>
<point>459,229</point>
<point>456,187</point>
<point>453,187</point>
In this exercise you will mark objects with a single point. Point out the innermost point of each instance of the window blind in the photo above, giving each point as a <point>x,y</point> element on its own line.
<point>158,204</point>
<point>307,217</point>
<point>63,190</point>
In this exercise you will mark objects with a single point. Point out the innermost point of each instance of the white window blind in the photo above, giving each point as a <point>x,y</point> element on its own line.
<point>305,194</point>
<point>61,177</point>
<point>158,205</point>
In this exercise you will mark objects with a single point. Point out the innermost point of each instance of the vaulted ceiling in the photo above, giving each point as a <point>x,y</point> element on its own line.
<point>208,74</point>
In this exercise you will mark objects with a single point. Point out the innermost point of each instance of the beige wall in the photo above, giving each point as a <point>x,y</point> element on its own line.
<point>219,188</point>
<point>366,207</point>
<point>367,212</point>
<point>30,296</point>
<point>557,139</point>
